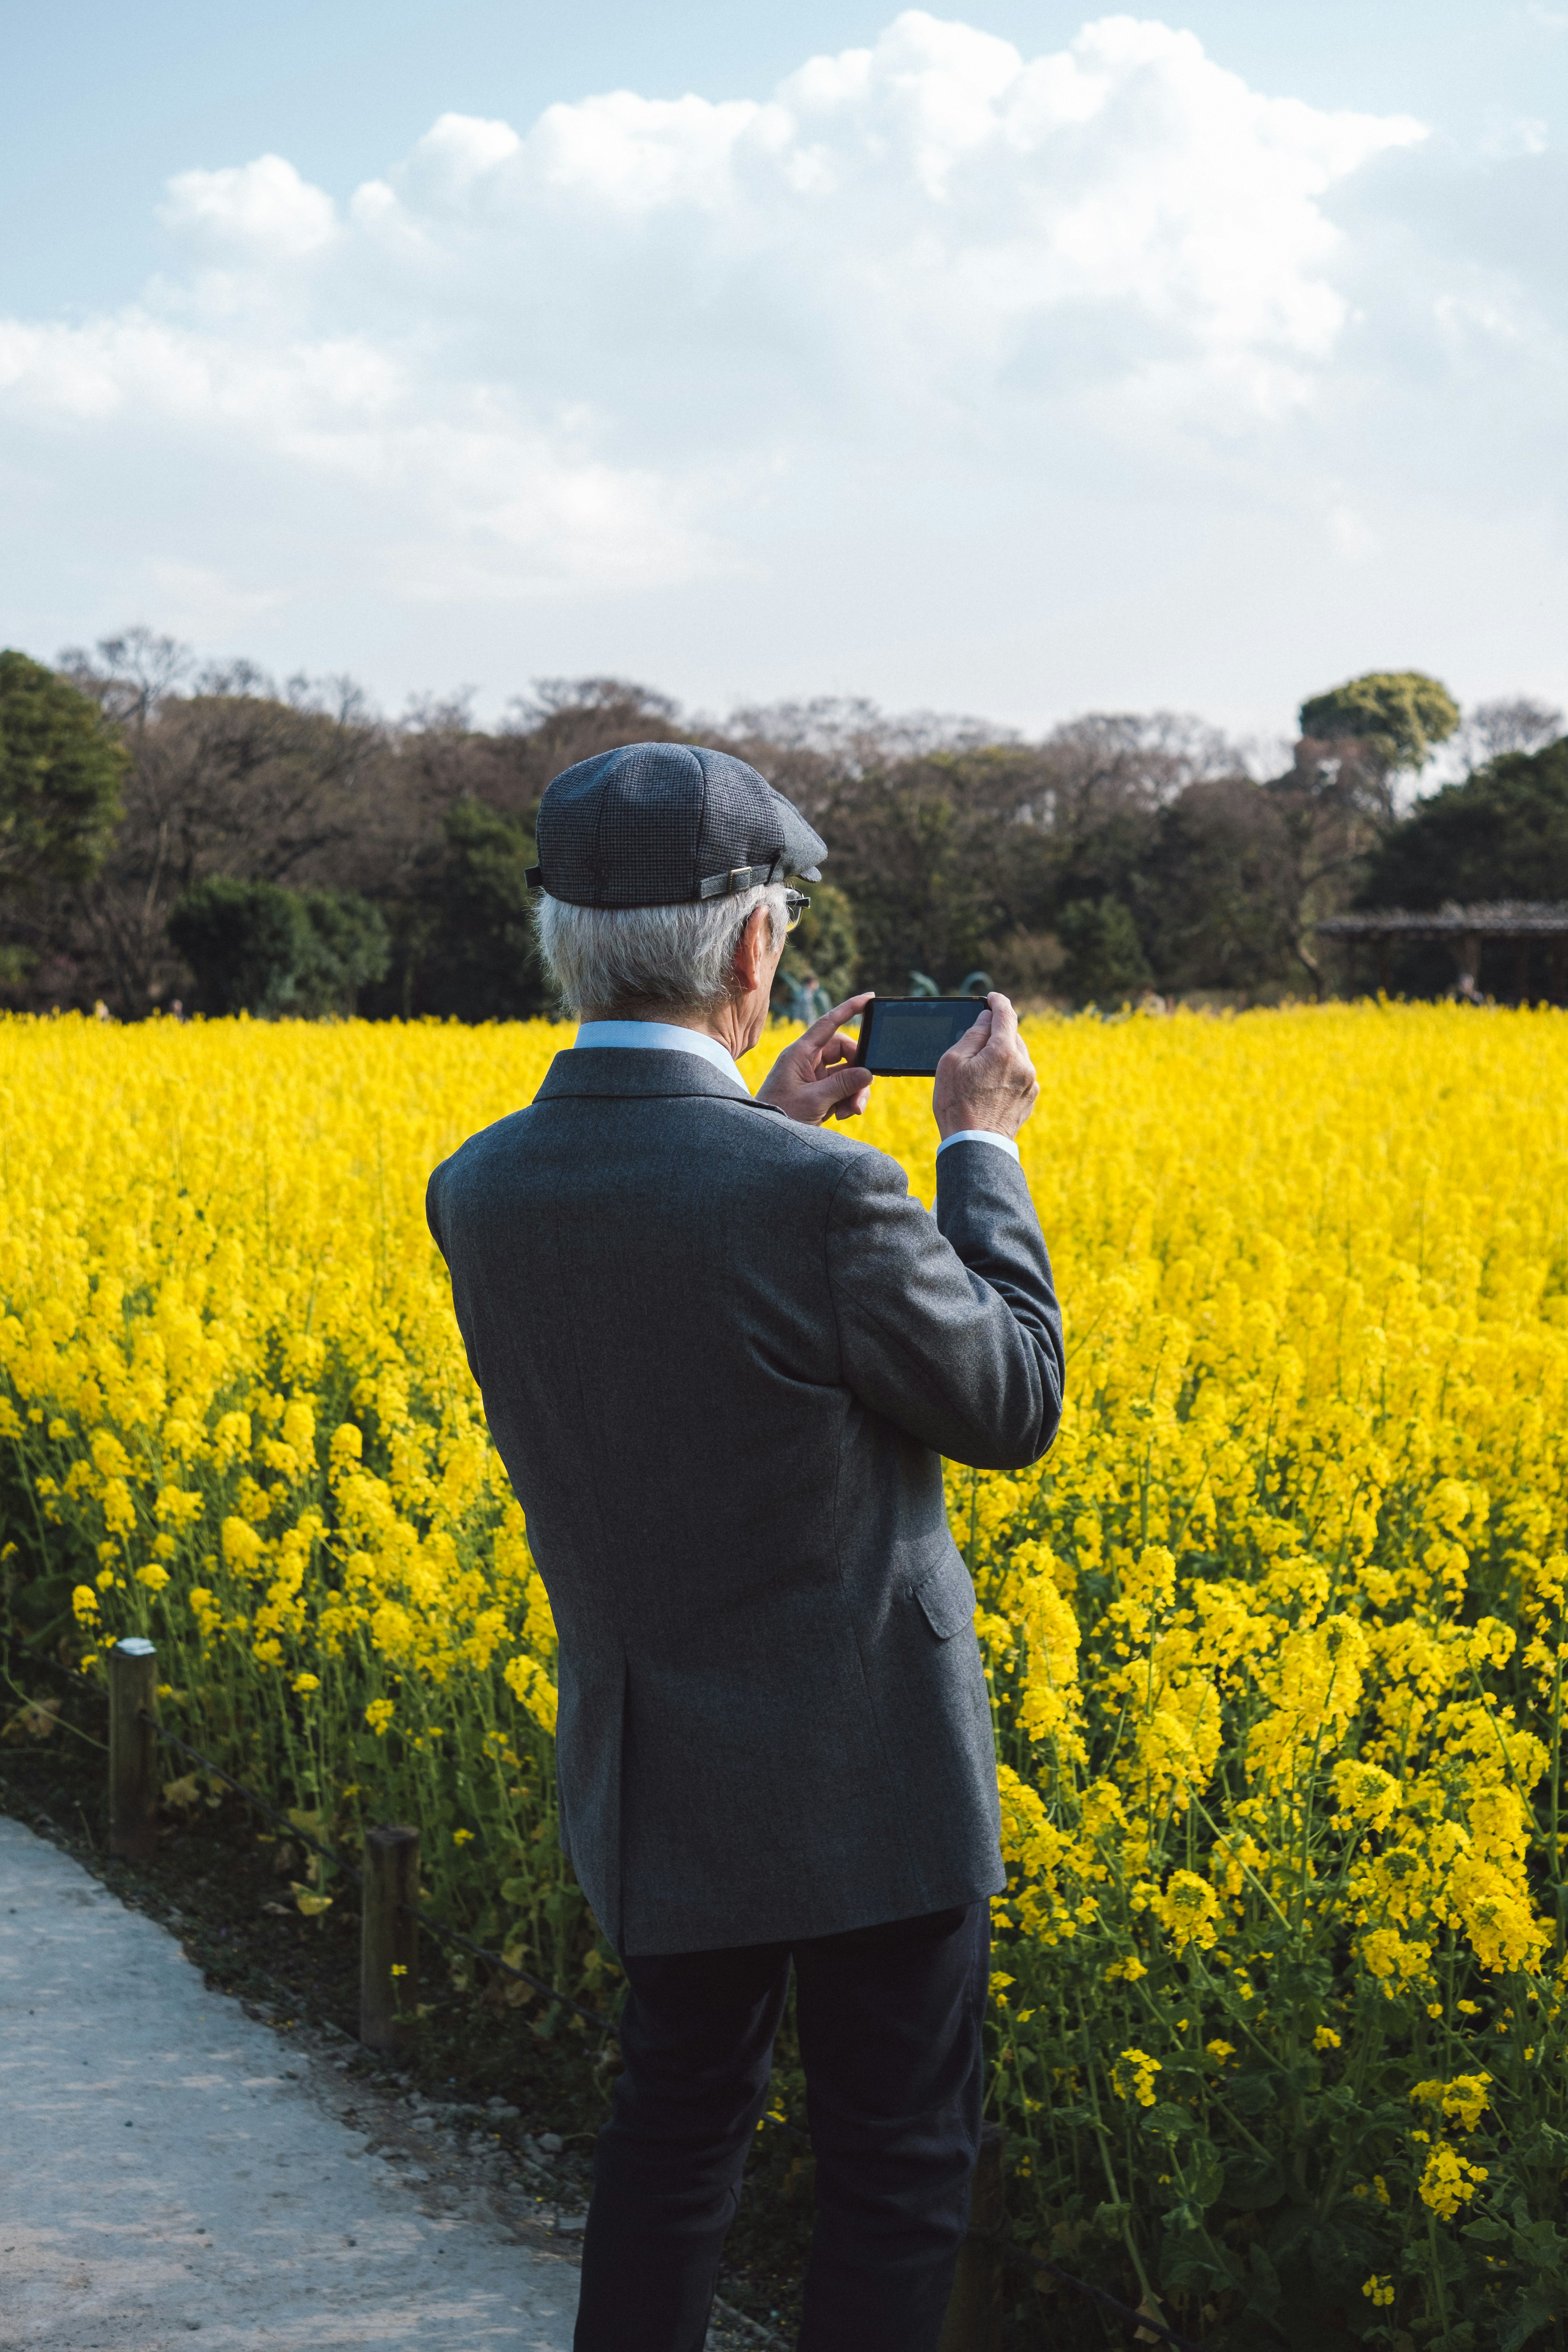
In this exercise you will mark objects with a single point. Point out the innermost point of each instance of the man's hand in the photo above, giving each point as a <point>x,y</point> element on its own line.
<point>986,1079</point>
<point>816,1078</point>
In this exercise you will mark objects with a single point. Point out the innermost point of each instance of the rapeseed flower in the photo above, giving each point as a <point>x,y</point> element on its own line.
<point>1276,1635</point>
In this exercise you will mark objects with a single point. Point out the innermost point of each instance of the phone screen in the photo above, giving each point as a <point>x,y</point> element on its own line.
<point>906,1037</point>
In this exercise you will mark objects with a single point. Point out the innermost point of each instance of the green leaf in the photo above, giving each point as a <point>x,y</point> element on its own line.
<point>1253,2094</point>
<point>1251,2181</point>
<point>1532,2315</point>
<point>1204,2178</point>
<point>1167,2121</point>
<point>1200,2267</point>
<point>1265,2294</point>
<point>1545,2248</point>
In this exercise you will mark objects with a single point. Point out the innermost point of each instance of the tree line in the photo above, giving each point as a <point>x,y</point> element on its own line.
<point>214,840</point>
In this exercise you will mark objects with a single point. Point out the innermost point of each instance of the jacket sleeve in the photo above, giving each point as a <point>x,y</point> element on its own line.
<point>949,1326</point>
<point>434,1218</point>
<point>433,1207</point>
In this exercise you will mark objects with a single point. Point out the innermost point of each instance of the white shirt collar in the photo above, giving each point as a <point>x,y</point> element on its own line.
<point>664,1036</point>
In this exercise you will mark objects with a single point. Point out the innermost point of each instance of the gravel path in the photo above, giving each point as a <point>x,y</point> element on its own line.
<point>169,2165</point>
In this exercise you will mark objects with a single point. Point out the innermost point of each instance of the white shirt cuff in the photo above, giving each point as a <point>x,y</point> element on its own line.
<point>979,1135</point>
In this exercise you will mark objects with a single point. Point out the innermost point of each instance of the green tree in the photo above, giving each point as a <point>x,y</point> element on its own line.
<point>1398,716</point>
<point>1502,834</point>
<point>913,854</point>
<point>1219,887</point>
<point>1105,959</point>
<point>822,952</point>
<point>351,950</point>
<point>473,952</point>
<point>257,948</point>
<point>60,769</point>
<point>245,941</point>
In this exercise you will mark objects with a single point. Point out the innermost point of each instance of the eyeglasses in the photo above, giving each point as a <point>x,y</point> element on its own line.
<point>795,904</point>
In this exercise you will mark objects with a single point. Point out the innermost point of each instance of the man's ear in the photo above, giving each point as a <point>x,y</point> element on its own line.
<point>750,949</point>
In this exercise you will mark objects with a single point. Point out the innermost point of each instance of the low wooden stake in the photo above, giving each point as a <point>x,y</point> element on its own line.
<point>974,2322</point>
<point>133,1750</point>
<point>389,1940</point>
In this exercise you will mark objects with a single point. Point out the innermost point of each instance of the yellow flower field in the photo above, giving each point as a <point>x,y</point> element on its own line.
<point>1276,1633</point>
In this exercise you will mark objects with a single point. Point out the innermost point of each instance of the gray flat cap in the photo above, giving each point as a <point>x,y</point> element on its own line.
<point>661,824</point>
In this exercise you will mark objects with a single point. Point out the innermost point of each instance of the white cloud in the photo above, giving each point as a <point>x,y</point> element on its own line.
<point>263,208</point>
<point>1505,134</point>
<point>592,344</point>
<point>640,342</point>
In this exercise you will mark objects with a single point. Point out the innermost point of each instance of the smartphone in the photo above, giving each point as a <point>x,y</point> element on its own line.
<point>906,1037</point>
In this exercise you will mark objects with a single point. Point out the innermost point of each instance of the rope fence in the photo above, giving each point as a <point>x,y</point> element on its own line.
<point>390,1919</point>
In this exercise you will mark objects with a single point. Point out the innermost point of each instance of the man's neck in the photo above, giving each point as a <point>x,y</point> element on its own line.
<point>729,1027</point>
<point>726,1026</point>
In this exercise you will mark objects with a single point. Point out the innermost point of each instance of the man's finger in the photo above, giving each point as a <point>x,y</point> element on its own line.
<point>836,1091</point>
<point>821,1031</point>
<point>851,1004</point>
<point>975,1038</point>
<point>1003,1020</point>
<point>854,1091</point>
<point>844,1079</point>
<point>840,1047</point>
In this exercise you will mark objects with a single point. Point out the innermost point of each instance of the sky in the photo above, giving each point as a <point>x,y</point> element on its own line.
<point>1016,361</point>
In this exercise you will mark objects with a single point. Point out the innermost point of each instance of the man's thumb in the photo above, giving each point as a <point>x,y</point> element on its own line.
<point>976,1037</point>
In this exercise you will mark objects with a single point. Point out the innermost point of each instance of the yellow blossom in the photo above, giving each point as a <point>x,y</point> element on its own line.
<point>1275,1633</point>
<point>1134,2076</point>
<point>1450,2180</point>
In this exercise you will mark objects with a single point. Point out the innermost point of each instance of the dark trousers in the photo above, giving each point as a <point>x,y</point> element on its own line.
<point>890,2020</point>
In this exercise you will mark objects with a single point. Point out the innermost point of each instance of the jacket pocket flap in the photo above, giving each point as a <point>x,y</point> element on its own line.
<point>947,1597</point>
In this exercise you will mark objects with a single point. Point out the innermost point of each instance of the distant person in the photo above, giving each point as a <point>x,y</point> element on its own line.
<point>723,1353</point>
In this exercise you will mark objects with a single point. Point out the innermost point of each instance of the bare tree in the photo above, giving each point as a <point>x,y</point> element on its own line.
<point>1335,804</point>
<point>133,674</point>
<point>226,779</point>
<point>1515,723</point>
<point>565,719</point>
<point>1112,765</point>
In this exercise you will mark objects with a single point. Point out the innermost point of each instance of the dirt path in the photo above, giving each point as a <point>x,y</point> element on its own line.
<point>169,2165</point>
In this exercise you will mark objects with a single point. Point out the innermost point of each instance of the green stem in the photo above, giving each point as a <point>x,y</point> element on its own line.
<point>1557,1887</point>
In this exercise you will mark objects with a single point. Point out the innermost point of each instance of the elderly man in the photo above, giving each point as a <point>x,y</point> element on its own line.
<point>723,1353</point>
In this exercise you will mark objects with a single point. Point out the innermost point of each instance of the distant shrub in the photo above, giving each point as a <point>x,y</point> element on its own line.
<point>257,948</point>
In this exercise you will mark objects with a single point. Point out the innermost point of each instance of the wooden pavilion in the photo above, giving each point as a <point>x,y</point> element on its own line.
<point>1521,922</point>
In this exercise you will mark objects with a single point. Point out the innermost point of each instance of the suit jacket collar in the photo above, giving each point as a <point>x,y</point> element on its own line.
<point>621,1073</point>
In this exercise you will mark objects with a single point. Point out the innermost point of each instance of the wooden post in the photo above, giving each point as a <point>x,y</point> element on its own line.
<point>974,2322</point>
<point>133,1750</point>
<point>389,1940</point>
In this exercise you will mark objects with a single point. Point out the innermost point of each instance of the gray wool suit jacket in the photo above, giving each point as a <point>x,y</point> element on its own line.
<point>721,1355</point>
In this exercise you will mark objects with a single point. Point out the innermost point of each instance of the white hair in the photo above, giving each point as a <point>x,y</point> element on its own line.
<point>608,959</point>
